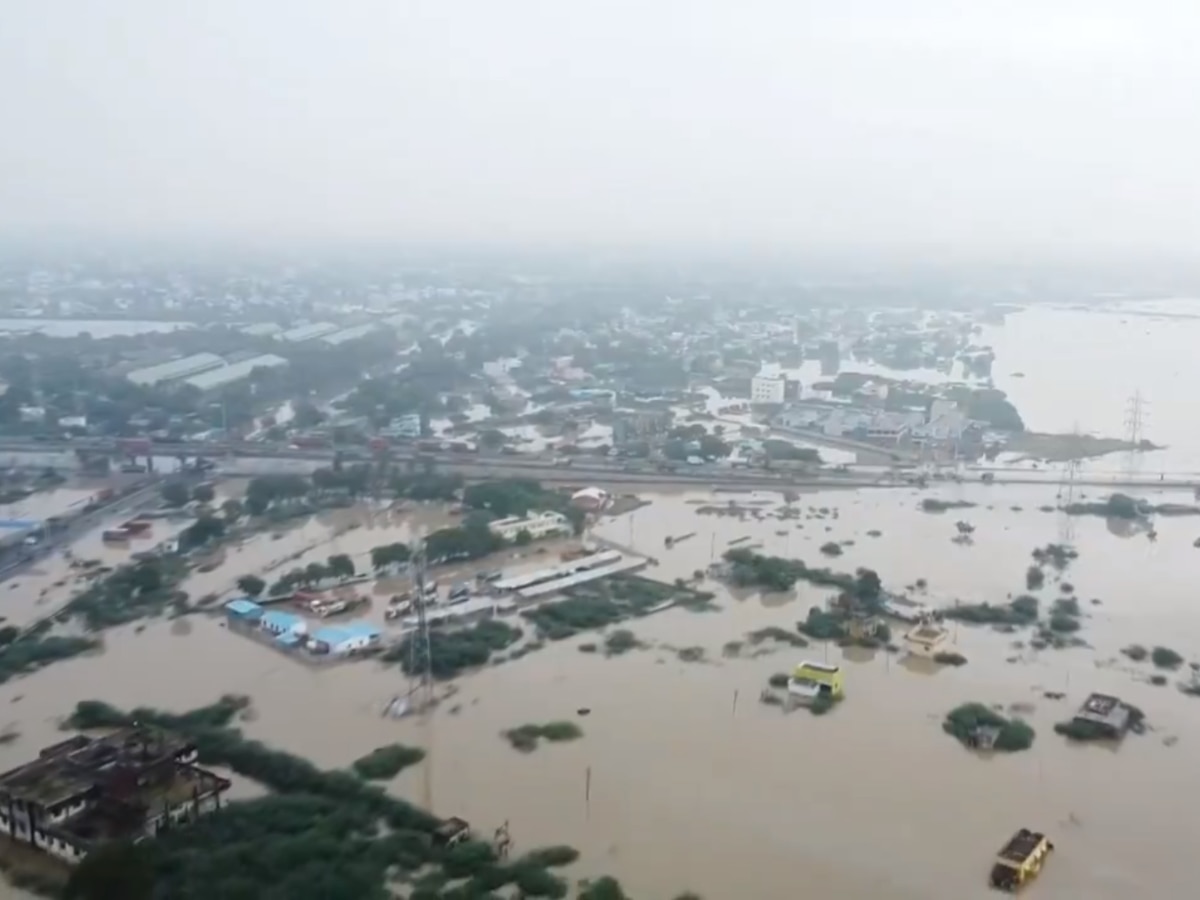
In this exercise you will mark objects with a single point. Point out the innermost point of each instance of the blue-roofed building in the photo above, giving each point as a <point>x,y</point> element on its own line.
<point>290,640</point>
<point>277,622</point>
<point>244,610</point>
<point>350,637</point>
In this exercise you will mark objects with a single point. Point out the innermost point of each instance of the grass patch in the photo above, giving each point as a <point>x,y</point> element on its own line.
<point>387,762</point>
<point>527,737</point>
<point>690,654</point>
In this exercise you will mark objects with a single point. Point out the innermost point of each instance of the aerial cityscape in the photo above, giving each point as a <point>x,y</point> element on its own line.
<point>459,451</point>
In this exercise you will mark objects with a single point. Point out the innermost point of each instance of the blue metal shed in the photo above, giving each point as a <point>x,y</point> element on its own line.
<point>244,608</point>
<point>278,622</point>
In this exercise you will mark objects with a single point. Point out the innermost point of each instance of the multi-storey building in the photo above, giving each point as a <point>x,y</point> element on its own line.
<point>84,792</point>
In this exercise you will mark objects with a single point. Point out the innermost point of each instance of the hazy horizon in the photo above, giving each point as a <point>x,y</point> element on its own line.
<point>923,129</point>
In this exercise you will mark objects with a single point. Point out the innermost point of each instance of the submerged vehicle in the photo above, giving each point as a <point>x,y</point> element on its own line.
<point>1020,860</point>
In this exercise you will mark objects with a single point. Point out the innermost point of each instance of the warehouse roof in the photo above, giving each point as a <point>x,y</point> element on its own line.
<point>336,634</point>
<point>262,329</point>
<point>206,381</point>
<point>308,332</point>
<point>348,334</point>
<point>176,368</point>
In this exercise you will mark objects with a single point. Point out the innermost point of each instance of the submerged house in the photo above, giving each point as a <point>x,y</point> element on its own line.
<point>1106,716</point>
<point>927,638</point>
<point>813,679</point>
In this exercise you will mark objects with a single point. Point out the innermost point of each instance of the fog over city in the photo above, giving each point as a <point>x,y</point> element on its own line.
<point>942,129</point>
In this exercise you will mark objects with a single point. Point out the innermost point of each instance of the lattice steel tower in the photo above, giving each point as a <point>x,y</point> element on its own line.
<point>1135,420</point>
<point>420,655</point>
<point>1066,489</point>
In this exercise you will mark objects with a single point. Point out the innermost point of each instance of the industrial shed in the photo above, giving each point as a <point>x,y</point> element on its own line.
<point>308,332</point>
<point>208,381</point>
<point>175,369</point>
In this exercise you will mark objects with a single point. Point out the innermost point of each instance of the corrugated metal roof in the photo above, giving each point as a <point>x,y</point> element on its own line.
<point>283,620</point>
<point>348,334</point>
<point>176,368</point>
<point>569,581</point>
<point>243,607</point>
<point>262,329</point>
<point>206,381</point>
<point>336,634</point>
<point>308,332</point>
<point>526,579</point>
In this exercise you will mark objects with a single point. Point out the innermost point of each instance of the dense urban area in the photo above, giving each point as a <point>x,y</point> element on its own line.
<point>454,581</point>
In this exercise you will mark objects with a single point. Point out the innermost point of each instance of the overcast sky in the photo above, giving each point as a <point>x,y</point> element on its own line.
<point>964,127</point>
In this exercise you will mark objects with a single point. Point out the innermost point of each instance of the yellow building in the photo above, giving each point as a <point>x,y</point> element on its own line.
<point>1020,860</point>
<point>814,678</point>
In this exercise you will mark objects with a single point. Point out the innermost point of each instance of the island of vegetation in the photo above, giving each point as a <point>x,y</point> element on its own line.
<point>526,737</point>
<point>977,726</point>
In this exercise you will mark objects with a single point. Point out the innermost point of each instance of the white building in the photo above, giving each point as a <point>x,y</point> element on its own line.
<point>538,524</point>
<point>946,423</point>
<point>768,387</point>
<point>342,640</point>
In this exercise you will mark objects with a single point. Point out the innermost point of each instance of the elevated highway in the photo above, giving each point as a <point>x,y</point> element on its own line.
<point>251,458</point>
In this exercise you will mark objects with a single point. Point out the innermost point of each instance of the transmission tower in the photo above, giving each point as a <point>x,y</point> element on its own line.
<point>420,664</point>
<point>1135,420</point>
<point>420,655</point>
<point>1066,490</point>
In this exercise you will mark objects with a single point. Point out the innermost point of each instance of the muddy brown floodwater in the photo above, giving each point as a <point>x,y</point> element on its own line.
<point>694,783</point>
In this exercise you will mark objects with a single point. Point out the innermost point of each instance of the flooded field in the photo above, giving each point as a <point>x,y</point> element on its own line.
<point>870,801</point>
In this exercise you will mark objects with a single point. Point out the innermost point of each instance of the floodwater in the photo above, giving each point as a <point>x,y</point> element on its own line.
<point>869,801</point>
<point>696,785</point>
